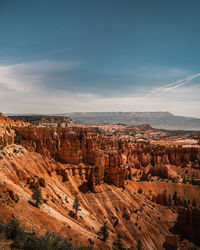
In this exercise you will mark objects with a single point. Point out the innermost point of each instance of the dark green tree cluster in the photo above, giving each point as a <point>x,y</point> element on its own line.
<point>31,241</point>
<point>117,244</point>
<point>76,205</point>
<point>139,245</point>
<point>37,196</point>
<point>104,231</point>
<point>180,202</point>
<point>140,190</point>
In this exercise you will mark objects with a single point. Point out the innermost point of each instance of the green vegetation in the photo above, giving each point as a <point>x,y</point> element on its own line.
<point>117,244</point>
<point>18,138</point>
<point>194,204</point>
<point>2,146</point>
<point>30,241</point>
<point>140,190</point>
<point>37,196</point>
<point>76,205</point>
<point>175,198</point>
<point>139,245</point>
<point>170,200</point>
<point>104,231</point>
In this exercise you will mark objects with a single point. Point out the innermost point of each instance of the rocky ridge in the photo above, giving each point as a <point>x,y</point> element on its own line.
<point>45,120</point>
<point>81,162</point>
<point>111,160</point>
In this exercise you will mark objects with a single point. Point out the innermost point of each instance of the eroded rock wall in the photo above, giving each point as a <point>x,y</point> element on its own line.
<point>188,223</point>
<point>7,136</point>
<point>80,145</point>
<point>111,159</point>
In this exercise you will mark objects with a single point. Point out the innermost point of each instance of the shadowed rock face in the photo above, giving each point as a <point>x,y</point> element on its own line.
<point>85,156</point>
<point>188,223</point>
<point>111,159</point>
<point>7,136</point>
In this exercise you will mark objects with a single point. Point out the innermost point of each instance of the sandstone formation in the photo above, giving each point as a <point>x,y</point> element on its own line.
<point>7,134</point>
<point>111,160</point>
<point>188,222</point>
<point>6,121</point>
<point>44,120</point>
<point>79,146</point>
<point>71,162</point>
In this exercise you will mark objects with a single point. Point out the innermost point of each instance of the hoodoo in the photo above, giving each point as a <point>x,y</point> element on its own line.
<point>135,187</point>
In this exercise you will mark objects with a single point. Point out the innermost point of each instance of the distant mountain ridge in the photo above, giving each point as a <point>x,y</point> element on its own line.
<point>161,120</point>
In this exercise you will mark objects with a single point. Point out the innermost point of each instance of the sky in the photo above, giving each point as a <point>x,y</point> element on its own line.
<point>60,56</point>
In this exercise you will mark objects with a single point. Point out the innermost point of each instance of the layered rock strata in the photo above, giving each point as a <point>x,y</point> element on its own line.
<point>111,160</point>
<point>76,146</point>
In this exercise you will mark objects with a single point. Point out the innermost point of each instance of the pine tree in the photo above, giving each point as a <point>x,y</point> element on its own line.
<point>170,200</point>
<point>139,245</point>
<point>104,231</point>
<point>76,205</point>
<point>194,203</point>
<point>37,196</point>
<point>117,245</point>
<point>175,198</point>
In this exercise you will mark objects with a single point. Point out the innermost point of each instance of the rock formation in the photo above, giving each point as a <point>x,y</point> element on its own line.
<point>111,160</point>
<point>188,223</point>
<point>70,162</point>
<point>45,120</point>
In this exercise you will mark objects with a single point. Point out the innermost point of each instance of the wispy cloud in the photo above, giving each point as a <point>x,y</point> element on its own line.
<point>173,85</point>
<point>29,76</point>
<point>22,90</point>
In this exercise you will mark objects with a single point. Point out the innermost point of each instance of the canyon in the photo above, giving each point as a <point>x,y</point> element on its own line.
<point>114,178</point>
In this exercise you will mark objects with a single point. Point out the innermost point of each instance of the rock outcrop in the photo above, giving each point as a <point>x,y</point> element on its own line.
<point>69,162</point>
<point>100,158</point>
<point>8,122</point>
<point>7,134</point>
<point>111,159</point>
<point>45,120</point>
<point>188,222</point>
<point>79,146</point>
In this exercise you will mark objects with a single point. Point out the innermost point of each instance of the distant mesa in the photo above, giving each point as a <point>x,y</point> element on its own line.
<point>161,120</point>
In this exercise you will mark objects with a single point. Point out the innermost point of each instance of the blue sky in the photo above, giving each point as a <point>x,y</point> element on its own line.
<point>100,55</point>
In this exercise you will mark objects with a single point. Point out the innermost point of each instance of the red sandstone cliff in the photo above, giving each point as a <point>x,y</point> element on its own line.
<point>111,160</point>
<point>82,155</point>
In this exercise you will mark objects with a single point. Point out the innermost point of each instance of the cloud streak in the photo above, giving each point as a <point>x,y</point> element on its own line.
<point>24,88</point>
<point>173,85</point>
<point>30,76</point>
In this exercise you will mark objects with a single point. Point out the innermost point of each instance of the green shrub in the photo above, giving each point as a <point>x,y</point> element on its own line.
<point>104,231</point>
<point>37,196</point>
<point>139,245</point>
<point>30,241</point>
<point>140,190</point>
<point>12,229</point>
<point>76,205</point>
<point>72,214</point>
